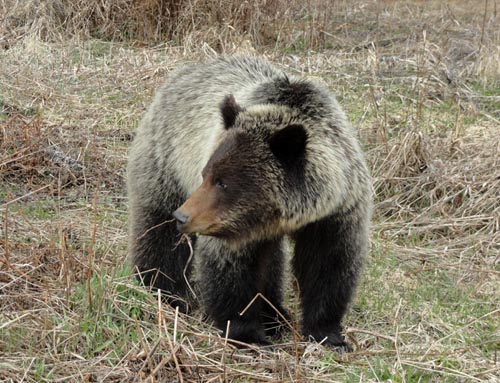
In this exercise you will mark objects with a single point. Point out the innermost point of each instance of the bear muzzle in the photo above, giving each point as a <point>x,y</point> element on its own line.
<point>199,213</point>
<point>187,223</point>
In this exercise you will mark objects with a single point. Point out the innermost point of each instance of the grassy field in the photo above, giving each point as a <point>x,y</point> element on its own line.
<point>420,81</point>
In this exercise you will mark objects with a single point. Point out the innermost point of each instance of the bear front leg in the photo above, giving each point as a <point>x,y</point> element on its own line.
<point>155,251</point>
<point>327,261</point>
<point>275,317</point>
<point>159,259</point>
<point>230,279</point>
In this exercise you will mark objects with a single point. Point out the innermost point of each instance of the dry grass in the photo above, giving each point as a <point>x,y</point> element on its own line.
<point>189,23</point>
<point>421,81</point>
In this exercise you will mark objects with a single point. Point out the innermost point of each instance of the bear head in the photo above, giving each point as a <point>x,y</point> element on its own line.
<point>246,181</point>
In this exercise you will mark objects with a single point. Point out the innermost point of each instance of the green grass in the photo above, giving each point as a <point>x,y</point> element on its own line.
<point>107,311</point>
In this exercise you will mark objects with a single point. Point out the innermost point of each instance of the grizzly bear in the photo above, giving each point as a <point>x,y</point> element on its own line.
<point>242,155</point>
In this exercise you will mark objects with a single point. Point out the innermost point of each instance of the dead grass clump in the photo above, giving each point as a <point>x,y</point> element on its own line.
<point>31,159</point>
<point>22,144</point>
<point>460,175</point>
<point>38,157</point>
<point>444,188</point>
<point>264,22</point>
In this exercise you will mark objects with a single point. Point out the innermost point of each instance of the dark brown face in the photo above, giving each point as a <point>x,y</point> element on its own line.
<point>238,198</point>
<point>227,202</point>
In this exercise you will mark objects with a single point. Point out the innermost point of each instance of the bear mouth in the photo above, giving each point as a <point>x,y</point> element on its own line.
<point>212,230</point>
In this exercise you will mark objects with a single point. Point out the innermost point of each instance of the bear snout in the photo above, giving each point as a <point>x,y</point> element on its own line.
<point>181,218</point>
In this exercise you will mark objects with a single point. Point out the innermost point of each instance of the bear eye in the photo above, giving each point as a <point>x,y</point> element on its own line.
<point>220,184</point>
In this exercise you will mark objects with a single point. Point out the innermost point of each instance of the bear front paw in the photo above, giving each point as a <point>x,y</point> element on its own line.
<point>331,339</point>
<point>248,333</point>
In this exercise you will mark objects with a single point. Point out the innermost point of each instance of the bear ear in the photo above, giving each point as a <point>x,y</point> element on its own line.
<point>289,144</point>
<point>229,110</point>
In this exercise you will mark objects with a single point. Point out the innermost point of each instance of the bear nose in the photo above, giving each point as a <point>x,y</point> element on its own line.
<point>181,218</point>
